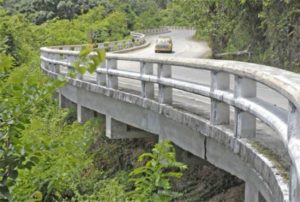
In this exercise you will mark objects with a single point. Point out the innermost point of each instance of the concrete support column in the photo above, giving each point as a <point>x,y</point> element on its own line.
<point>112,81</point>
<point>251,193</point>
<point>118,130</point>
<point>294,139</point>
<point>84,114</point>
<point>101,78</point>
<point>165,92</point>
<point>220,112</point>
<point>63,102</point>
<point>147,87</point>
<point>245,123</point>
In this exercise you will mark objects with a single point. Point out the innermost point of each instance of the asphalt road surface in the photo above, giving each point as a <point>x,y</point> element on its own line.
<point>185,46</point>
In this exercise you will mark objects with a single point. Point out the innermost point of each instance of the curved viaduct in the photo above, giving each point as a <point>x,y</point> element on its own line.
<point>243,118</point>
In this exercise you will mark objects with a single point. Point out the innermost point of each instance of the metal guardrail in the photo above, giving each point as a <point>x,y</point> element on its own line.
<point>244,98</point>
<point>138,38</point>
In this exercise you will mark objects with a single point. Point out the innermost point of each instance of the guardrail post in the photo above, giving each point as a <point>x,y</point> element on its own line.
<point>245,123</point>
<point>112,81</point>
<point>70,59</point>
<point>56,68</point>
<point>293,136</point>
<point>49,66</point>
<point>70,70</point>
<point>100,77</point>
<point>220,111</point>
<point>165,92</point>
<point>52,66</point>
<point>147,87</point>
<point>84,114</point>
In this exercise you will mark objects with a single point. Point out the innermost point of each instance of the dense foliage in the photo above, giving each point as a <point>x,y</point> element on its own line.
<point>152,181</point>
<point>44,154</point>
<point>39,11</point>
<point>267,29</point>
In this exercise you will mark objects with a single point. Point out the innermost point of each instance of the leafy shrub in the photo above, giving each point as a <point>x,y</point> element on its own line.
<point>152,181</point>
<point>60,153</point>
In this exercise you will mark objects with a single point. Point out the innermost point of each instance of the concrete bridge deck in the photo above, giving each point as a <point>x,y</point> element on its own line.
<point>235,115</point>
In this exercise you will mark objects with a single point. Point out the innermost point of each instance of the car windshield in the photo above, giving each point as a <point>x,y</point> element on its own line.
<point>163,41</point>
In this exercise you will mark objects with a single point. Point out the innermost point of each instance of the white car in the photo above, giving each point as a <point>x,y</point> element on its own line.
<point>164,44</point>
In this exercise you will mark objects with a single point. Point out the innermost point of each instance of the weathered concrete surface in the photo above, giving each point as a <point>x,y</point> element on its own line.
<point>215,144</point>
<point>117,130</point>
<point>272,185</point>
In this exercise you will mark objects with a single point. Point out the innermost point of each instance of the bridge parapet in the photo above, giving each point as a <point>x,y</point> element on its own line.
<point>137,39</point>
<point>243,98</point>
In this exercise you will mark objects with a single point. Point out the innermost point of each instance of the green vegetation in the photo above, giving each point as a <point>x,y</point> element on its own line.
<point>152,181</point>
<point>45,155</point>
<point>275,159</point>
<point>267,29</point>
<point>39,11</point>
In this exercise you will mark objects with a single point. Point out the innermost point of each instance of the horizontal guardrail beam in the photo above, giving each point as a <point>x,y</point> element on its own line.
<point>248,107</point>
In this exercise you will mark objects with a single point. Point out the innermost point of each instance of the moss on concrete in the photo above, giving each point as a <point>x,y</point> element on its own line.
<point>274,158</point>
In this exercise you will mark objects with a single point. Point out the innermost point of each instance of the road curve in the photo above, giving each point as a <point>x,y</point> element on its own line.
<point>185,46</point>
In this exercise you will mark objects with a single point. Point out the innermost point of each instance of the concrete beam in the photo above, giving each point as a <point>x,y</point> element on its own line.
<point>221,157</point>
<point>84,114</point>
<point>181,129</point>
<point>63,102</point>
<point>118,130</point>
